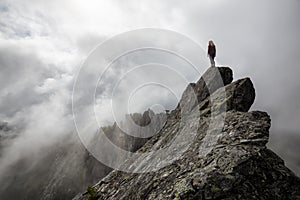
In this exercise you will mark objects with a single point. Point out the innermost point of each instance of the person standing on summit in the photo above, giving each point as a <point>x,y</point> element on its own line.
<point>211,52</point>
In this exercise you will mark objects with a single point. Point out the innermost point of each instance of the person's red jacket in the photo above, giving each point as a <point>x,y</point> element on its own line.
<point>211,51</point>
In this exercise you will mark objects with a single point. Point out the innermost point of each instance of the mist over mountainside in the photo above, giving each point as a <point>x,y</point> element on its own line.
<point>7,134</point>
<point>44,43</point>
<point>64,168</point>
<point>55,173</point>
<point>287,147</point>
<point>61,170</point>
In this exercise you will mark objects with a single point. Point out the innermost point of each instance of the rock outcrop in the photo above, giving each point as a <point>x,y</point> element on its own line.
<point>211,80</point>
<point>141,127</point>
<point>210,147</point>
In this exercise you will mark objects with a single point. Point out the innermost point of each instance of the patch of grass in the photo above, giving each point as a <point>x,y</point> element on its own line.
<point>92,193</point>
<point>176,196</point>
<point>215,188</point>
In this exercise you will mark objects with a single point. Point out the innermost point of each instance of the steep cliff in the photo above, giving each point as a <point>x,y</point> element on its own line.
<point>210,147</point>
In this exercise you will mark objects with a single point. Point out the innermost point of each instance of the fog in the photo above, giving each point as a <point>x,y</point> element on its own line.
<point>43,44</point>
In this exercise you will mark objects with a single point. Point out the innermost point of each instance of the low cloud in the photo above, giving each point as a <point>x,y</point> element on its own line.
<point>43,44</point>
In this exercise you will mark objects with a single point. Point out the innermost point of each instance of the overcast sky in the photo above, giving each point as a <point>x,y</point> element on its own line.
<point>43,43</point>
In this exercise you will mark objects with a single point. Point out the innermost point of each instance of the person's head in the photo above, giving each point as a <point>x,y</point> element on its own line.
<point>211,43</point>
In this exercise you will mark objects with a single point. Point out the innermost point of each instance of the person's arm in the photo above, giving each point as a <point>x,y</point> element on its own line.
<point>208,51</point>
<point>215,51</point>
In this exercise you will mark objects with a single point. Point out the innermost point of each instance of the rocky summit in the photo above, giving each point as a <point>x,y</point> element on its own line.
<point>210,147</point>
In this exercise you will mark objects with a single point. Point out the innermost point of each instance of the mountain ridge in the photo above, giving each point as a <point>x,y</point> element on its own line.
<point>221,153</point>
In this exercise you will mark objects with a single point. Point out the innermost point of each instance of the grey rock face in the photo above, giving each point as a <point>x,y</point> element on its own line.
<point>238,96</point>
<point>221,153</point>
<point>212,79</point>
